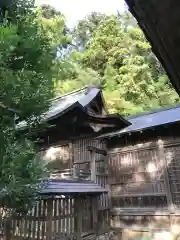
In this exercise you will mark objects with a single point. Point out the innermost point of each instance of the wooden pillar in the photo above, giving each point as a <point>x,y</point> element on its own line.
<point>49,230</point>
<point>162,159</point>
<point>93,166</point>
<point>93,152</point>
<point>108,186</point>
<point>95,214</point>
<point>78,217</point>
<point>74,173</point>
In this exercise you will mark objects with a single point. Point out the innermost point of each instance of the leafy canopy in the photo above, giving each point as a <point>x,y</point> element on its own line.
<point>115,50</point>
<point>27,60</point>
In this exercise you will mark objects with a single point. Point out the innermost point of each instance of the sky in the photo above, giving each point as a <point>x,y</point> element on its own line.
<point>75,10</point>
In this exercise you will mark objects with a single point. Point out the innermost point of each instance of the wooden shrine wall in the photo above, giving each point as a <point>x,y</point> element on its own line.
<point>144,180</point>
<point>75,153</point>
<point>82,159</point>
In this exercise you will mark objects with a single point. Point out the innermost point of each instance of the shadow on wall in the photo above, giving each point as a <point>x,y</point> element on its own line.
<point>139,197</point>
<point>56,158</point>
<point>137,176</point>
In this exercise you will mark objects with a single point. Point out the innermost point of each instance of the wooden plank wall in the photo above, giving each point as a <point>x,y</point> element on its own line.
<point>139,174</point>
<point>82,159</point>
<point>145,180</point>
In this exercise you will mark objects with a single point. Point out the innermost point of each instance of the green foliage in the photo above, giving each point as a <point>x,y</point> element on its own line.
<point>25,63</point>
<point>78,77</point>
<point>49,12</point>
<point>116,51</point>
<point>27,60</point>
<point>14,10</point>
<point>54,23</point>
<point>86,27</point>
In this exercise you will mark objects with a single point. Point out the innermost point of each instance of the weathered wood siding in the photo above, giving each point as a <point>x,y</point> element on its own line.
<point>172,154</point>
<point>82,159</point>
<point>65,155</point>
<point>145,181</point>
<point>137,178</point>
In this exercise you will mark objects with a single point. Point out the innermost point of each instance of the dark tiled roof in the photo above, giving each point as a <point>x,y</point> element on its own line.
<point>160,21</point>
<point>149,120</point>
<point>64,187</point>
<point>79,97</point>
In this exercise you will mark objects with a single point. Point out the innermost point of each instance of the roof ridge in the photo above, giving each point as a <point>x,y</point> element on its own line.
<point>86,87</point>
<point>155,111</point>
<point>69,93</point>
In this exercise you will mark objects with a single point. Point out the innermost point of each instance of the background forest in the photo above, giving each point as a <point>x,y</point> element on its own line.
<point>110,52</point>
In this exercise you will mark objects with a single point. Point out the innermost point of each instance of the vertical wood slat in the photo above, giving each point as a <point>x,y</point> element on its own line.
<point>93,167</point>
<point>30,224</point>
<point>60,214</point>
<point>39,221</point>
<point>95,214</point>
<point>34,223</point>
<point>67,214</point>
<point>162,158</point>
<point>43,211</point>
<point>71,215</point>
<point>109,182</point>
<point>49,232</point>
<point>78,218</point>
<point>55,214</point>
<point>63,215</point>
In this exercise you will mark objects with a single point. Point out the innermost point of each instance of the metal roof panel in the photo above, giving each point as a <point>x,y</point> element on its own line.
<point>153,119</point>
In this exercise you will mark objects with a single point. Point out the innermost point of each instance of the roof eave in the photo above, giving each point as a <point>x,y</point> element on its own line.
<point>117,120</point>
<point>158,46</point>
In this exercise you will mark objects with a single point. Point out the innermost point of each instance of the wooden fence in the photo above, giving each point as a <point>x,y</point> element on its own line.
<point>53,218</point>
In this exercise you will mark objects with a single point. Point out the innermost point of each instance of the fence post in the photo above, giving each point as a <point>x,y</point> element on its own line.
<point>49,230</point>
<point>95,214</point>
<point>78,217</point>
<point>7,228</point>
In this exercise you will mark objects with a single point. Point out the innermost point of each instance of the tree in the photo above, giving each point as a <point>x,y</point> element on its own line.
<point>26,65</point>
<point>12,10</point>
<point>85,29</point>
<point>78,78</point>
<point>131,76</point>
<point>49,12</point>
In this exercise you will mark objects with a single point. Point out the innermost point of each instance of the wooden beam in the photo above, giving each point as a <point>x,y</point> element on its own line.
<point>97,150</point>
<point>162,158</point>
<point>93,167</point>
